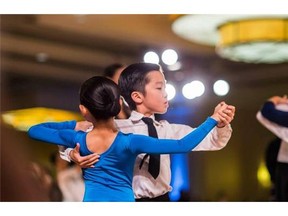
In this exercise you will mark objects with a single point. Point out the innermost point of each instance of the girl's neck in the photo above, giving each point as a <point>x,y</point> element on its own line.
<point>104,125</point>
<point>102,136</point>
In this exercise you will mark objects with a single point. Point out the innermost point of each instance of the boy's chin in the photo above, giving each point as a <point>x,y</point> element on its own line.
<point>162,111</point>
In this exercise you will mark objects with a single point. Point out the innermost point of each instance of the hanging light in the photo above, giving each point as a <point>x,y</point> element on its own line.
<point>261,40</point>
<point>244,38</point>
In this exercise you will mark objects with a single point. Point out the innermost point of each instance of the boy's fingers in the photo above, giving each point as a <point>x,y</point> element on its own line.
<point>229,113</point>
<point>224,121</point>
<point>77,148</point>
<point>89,160</point>
<point>230,107</point>
<point>228,116</point>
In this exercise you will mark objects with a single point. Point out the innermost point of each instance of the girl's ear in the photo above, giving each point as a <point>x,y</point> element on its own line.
<point>86,113</point>
<point>83,109</point>
<point>137,97</point>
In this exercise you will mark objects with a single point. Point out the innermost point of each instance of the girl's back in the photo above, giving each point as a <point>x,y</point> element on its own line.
<point>111,178</point>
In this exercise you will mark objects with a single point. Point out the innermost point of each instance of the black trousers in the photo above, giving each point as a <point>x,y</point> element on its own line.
<point>281,182</point>
<point>162,198</point>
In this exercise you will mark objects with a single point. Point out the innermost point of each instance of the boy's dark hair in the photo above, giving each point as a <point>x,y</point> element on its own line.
<point>110,70</point>
<point>134,78</point>
<point>100,96</point>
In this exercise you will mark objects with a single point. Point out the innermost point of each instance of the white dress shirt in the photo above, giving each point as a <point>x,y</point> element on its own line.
<point>279,131</point>
<point>144,185</point>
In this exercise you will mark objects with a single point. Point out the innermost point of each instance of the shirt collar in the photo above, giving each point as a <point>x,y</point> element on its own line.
<point>136,117</point>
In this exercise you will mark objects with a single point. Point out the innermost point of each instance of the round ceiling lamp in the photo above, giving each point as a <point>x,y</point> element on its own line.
<point>244,38</point>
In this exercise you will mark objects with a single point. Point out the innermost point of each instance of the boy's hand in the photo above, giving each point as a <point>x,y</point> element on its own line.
<point>218,111</point>
<point>85,161</point>
<point>83,126</point>
<point>224,114</point>
<point>227,116</point>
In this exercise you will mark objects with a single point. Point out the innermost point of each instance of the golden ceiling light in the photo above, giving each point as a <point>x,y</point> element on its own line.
<point>254,41</point>
<point>23,119</point>
<point>245,38</point>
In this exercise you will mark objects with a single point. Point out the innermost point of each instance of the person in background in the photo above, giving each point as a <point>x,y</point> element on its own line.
<point>69,178</point>
<point>274,116</point>
<point>111,178</point>
<point>271,154</point>
<point>113,72</point>
<point>143,87</point>
<point>44,176</point>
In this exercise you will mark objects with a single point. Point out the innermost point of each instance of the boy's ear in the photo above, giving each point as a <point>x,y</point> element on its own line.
<point>137,97</point>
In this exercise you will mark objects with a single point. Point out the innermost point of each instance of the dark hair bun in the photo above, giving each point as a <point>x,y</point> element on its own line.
<point>101,96</point>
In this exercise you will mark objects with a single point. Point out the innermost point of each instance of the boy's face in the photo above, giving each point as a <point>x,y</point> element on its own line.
<point>155,99</point>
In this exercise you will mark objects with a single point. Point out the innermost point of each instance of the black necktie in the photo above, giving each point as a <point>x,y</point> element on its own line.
<point>154,161</point>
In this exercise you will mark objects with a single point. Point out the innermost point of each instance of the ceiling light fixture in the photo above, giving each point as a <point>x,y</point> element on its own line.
<point>244,38</point>
<point>23,119</point>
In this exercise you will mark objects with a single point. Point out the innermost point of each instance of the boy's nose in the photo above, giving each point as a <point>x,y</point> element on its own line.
<point>165,94</point>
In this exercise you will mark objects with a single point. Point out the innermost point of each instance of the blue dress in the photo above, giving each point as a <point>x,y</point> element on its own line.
<point>111,178</point>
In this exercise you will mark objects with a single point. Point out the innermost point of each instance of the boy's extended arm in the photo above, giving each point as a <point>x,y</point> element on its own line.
<point>185,144</point>
<point>217,139</point>
<point>145,144</point>
<point>220,135</point>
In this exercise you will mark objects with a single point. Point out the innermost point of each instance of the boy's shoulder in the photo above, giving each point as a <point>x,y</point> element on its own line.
<point>131,125</point>
<point>123,121</point>
<point>132,122</point>
<point>163,122</point>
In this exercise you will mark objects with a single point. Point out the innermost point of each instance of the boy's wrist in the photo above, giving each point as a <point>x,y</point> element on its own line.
<point>68,152</point>
<point>65,154</point>
<point>220,126</point>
